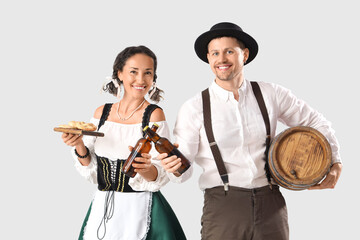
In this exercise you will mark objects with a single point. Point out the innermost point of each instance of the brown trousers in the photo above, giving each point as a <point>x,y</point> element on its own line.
<point>244,214</point>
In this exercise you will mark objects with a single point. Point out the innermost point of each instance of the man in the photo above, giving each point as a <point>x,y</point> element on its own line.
<point>253,208</point>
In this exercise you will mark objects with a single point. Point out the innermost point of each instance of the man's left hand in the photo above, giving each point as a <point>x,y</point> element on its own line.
<point>331,178</point>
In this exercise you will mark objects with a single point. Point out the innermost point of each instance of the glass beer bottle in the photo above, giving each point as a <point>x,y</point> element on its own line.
<point>143,145</point>
<point>163,145</point>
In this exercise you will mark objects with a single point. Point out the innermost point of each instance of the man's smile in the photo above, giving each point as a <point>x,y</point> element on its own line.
<point>223,67</point>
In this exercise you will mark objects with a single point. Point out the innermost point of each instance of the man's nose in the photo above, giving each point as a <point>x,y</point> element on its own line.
<point>223,57</point>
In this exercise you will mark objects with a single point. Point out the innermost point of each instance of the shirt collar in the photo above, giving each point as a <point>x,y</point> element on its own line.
<point>226,95</point>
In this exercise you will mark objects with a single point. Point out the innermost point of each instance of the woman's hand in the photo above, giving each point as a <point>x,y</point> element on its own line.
<point>76,141</point>
<point>144,167</point>
<point>72,139</point>
<point>142,164</point>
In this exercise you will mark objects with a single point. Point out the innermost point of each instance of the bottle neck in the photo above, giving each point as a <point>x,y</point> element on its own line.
<point>153,128</point>
<point>152,135</point>
<point>155,138</point>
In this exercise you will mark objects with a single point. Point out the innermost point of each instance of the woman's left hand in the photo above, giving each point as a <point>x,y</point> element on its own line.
<point>144,167</point>
<point>142,164</point>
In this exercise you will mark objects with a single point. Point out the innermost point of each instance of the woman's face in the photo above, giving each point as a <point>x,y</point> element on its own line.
<point>137,75</point>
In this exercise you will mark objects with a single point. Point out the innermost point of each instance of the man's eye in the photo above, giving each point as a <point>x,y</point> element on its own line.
<point>229,51</point>
<point>215,54</point>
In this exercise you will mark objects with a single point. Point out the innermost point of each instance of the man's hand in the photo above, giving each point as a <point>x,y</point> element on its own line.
<point>331,178</point>
<point>170,164</point>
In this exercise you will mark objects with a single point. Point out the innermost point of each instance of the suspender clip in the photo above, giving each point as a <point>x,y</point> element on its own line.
<point>225,180</point>
<point>226,188</point>
<point>212,144</point>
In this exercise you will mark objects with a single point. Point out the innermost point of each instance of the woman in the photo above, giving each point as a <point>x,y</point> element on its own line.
<point>126,208</point>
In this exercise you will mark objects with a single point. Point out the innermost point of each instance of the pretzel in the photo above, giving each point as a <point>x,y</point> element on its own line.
<point>65,126</point>
<point>79,125</point>
<point>86,126</point>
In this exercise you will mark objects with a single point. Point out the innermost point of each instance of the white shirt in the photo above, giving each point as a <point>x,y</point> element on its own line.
<point>239,132</point>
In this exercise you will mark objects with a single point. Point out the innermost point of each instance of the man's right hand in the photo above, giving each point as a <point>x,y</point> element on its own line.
<point>170,164</point>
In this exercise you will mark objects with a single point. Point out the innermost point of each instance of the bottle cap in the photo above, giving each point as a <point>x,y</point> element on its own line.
<point>156,124</point>
<point>145,128</point>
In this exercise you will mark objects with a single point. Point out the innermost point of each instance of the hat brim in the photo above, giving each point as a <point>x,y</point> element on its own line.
<point>201,43</point>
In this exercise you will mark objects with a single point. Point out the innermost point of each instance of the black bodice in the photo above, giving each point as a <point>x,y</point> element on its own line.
<point>109,175</point>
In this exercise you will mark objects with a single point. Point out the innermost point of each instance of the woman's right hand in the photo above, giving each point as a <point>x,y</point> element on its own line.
<point>72,140</point>
<point>76,141</point>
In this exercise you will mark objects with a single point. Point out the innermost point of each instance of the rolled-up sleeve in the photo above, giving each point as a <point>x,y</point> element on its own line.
<point>294,112</point>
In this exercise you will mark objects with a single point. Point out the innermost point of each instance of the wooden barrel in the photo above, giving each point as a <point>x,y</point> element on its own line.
<point>299,158</point>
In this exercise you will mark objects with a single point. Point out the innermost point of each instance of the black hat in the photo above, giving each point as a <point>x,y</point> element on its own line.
<point>225,29</point>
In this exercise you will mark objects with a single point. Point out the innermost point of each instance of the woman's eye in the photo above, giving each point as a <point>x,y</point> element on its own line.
<point>132,72</point>
<point>229,51</point>
<point>148,73</point>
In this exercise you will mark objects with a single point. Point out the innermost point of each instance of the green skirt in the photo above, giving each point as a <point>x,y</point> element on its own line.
<point>164,224</point>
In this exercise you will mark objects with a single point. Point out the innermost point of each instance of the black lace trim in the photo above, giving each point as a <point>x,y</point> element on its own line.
<point>105,114</point>
<point>146,116</point>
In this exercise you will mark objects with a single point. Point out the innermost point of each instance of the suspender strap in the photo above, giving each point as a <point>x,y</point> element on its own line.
<point>262,106</point>
<point>264,113</point>
<point>213,146</point>
<point>104,115</point>
<point>147,113</point>
<point>210,135</point>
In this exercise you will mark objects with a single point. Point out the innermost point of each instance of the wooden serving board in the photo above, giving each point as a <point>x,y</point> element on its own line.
<point>78,131</point>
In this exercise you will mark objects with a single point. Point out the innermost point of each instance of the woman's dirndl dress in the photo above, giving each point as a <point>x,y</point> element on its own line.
<point>122,207</point>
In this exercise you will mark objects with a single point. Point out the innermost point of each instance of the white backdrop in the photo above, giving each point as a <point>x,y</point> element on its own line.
<point>55,56</point>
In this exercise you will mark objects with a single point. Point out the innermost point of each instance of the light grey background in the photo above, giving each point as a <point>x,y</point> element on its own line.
<point>55,56</point>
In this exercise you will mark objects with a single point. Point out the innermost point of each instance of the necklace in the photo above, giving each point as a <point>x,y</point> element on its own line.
<point>126,118</point>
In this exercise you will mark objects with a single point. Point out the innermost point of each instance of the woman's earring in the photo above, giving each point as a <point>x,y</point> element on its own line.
<point>153,90</point>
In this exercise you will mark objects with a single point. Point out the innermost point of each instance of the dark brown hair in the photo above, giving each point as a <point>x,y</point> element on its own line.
<point>120,62</point>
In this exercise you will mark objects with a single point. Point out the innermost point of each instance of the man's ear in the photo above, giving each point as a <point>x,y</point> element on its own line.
<point>246,54</point>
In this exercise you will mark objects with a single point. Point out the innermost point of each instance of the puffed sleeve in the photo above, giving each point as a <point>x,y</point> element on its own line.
<point>88,172</point>
<point>294,112</point>
<point>138,183</point>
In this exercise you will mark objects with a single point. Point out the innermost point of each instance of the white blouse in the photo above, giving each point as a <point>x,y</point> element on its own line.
<point>114,145</point>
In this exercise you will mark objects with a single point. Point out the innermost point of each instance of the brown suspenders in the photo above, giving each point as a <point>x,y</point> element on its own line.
<point>213,146</point>
<point>264,113</point>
